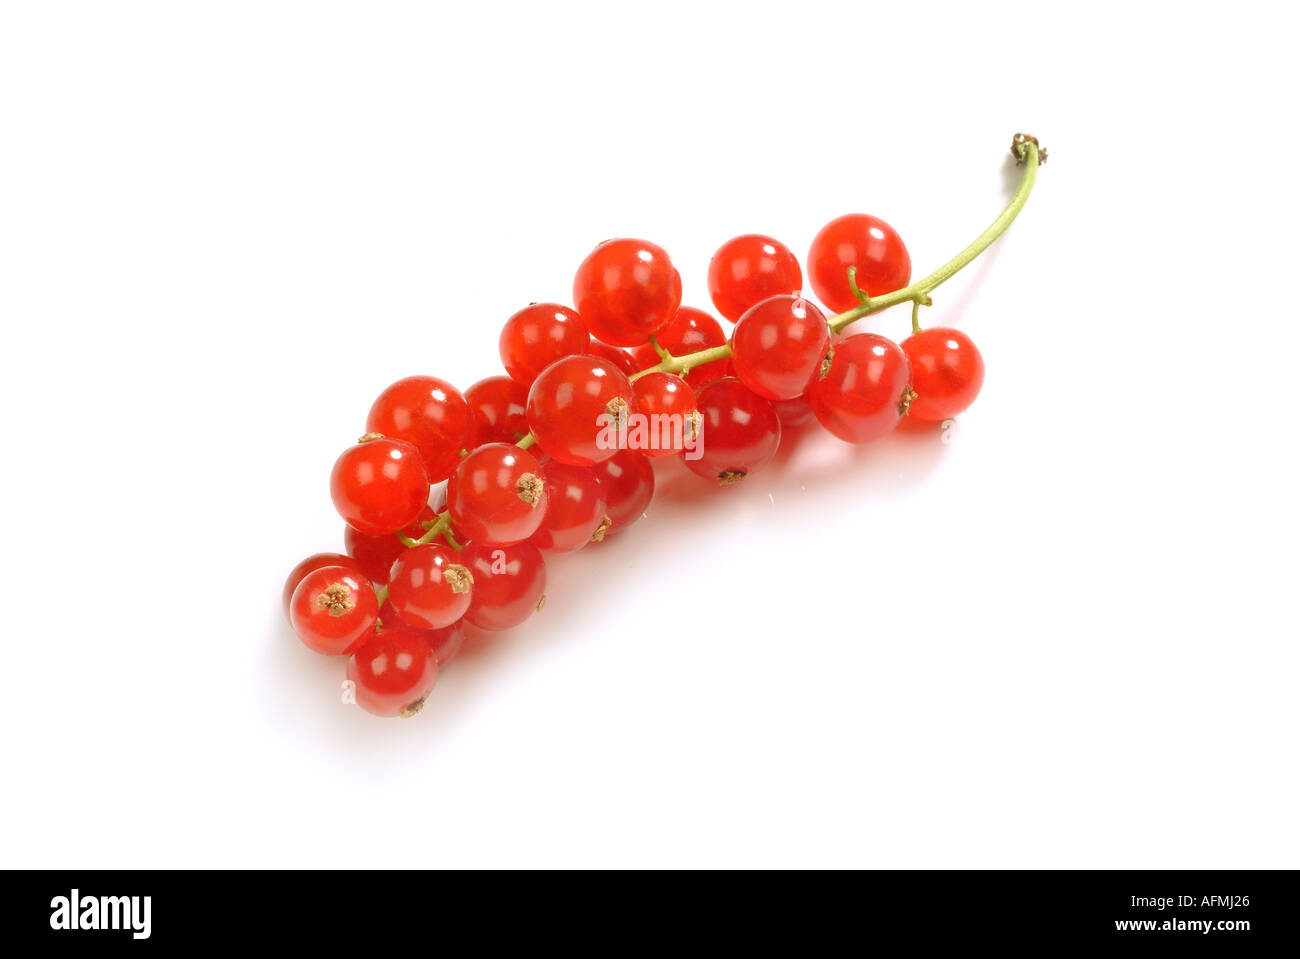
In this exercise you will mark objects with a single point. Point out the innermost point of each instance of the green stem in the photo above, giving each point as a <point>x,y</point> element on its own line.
<point>441,526</point>
<point>686,362</point>
<point>855,289</point>
<point>1025,150</point>
<point>1029,155</point>
<point>432,532</point>
<point>526,441</point>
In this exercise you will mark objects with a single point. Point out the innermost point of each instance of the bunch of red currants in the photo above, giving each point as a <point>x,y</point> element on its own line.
<point>544,459</point>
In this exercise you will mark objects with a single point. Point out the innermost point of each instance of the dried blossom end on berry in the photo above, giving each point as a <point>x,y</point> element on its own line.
<point>905,402</point>
<point>691,429</point>
<point>458,578</point>
<point>827,360</point>
<point>618,408</point>
<point>336,599</point>
<point>530,489</point>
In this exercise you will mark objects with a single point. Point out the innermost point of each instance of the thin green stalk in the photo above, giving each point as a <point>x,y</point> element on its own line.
<point>1030,156</point>
<point>431,532</point>
<point>1026,151</point>
<point>686,362</point>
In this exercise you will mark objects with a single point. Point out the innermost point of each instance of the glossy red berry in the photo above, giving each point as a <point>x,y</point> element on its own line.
<point>862,241</point>
<point>429,413</point>
<point>314,562</point>
<point>866,390</point>
<point>575,407</point>
<point>537,336</point>
<point>445,642</point>
<point>620,358</point>
<point>497,406</point>
<point>431,586</point>
<point>497,494</point>
<point>947,372</point>
<point>690,331</point>
<point>739,434</point>
<point>575,508</point>
<point>664,421</point>
<point>628,481</point>
<point>779,346</point>
<point>509,584</point>
<point>379,485</point>
<point>748,269</point>
<point>794,413</point>
<point>375,555</point>
<point>626,290</point>
<point>393,672</point>
<point>332,609</point>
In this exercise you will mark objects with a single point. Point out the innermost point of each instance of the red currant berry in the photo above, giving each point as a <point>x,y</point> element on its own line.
<point>666,421</point>
<point>497,405</point>
<point>429,413</point>
<point>379,485</point>
<point>690,331</point>
<point>393,672</point>
<point>866,391</point>
<point>626,290</point>
<point>794,413</point>
<point>862,241</point>
<point>947,372</point>
<point>748,269</point>
<point>375,555</point>
<point>575,508</point>
<point>537,336</point>
<point>314,562</point>
<point>445,642</point>
<point>497,494</point>
<point>431,586</point>
<point>620,358</point>
<point>573,408</point>
<point>509,583</point>
<point>739,434</point>
<point>388,618</point>
<point>332,609</point>
<point>628,481</point>
<point>779,346</point>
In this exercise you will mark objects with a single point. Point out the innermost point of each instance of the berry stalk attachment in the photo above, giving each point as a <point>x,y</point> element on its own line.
<point>1027,153</point>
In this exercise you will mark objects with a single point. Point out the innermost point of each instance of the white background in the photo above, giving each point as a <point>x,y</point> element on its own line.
<point>1067,638</point>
